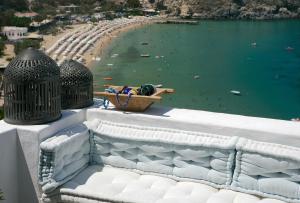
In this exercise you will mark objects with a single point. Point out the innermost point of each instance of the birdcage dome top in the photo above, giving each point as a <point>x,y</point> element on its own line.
<point>74,73</point>
<point>31,65</point>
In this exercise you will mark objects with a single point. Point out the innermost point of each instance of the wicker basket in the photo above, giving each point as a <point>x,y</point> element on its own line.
<point>136,103</point>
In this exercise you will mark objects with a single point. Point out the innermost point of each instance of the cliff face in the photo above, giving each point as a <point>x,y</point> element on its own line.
<point>238,9</point>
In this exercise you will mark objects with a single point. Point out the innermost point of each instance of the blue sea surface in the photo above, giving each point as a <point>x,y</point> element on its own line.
<point>223,57</point>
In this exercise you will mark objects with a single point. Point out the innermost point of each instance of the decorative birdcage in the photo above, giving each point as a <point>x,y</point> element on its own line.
<point>31,89</point>
<point>76,85</point>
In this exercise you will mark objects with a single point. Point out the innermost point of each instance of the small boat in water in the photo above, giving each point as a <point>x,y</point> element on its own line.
<point>110,64</point>
<point>235,92</point>
<point>145,55</point>
<point>289,48</point>
<point>196,77</point>
<point>107,78</point>
<point>144,43</point>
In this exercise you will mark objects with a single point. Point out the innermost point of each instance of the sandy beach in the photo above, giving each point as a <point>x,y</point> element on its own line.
<point>103,43</point>
<point>97,48</point>
<point>49,40</point>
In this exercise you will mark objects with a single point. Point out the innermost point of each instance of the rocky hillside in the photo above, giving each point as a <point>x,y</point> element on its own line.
<point>235,9</point>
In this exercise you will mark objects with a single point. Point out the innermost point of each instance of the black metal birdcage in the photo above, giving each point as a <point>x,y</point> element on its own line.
<point>76,85</point>
<point>31,89</point>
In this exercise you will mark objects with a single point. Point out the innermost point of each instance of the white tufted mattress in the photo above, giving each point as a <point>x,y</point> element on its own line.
<point>110,184</point>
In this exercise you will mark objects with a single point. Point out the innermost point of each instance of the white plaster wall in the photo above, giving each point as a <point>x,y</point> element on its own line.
<point>19,165</point>
<point>8,164</point>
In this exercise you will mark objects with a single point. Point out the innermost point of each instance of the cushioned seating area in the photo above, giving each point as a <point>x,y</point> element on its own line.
<point>114,184</point>
<point>112,162</point>
<point>181,154</point>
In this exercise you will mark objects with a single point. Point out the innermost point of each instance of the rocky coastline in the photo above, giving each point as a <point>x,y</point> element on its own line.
<point>262,12</point>
<point>233,9</point>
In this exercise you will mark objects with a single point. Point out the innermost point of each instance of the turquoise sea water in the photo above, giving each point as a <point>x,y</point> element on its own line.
<point>221,54</point>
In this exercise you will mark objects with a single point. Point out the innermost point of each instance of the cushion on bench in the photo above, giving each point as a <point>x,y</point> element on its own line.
<point>63,156</point>
<point>268,169</point>
<point>108,184</point>
<point>129,163</point>
<point>179,154</point>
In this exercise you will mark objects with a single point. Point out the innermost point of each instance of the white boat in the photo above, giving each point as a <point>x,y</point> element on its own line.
<point>145,55</point>
<point>235,92</point>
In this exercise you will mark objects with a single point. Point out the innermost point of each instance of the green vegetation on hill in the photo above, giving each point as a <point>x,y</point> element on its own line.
<point>110,6</point>
<point>18,5</point>
<point>9,19</point>
<point>2,46</point>
<point>133,4</point>
<point>160,6</point>
<point>65,2</point>
<point>20,22</point>
<point>49,7</point>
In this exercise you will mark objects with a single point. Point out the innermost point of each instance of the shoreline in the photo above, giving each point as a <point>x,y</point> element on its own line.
<point>86,42</point>
<point>102,44</point>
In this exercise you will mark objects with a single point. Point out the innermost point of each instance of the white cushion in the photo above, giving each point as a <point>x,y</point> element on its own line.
<point>200,156</point>
<point>267,169</point>
<point>98,184</point>
<point>63,155</point>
